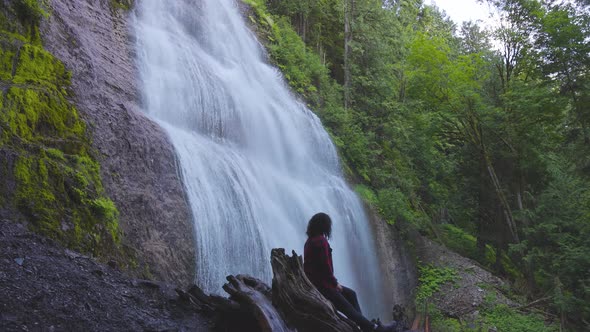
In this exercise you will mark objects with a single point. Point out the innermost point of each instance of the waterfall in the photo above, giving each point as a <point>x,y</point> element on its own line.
<point>256,163</point>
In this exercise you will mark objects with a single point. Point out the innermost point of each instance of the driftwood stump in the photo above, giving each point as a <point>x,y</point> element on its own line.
<point>293,303</point>
<point>298,299</point>
<point>253,295</point>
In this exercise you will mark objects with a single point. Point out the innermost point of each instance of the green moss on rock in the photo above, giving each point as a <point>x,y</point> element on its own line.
<point>36,65</point>
<point>37,113</point>
<point>29,11</point>
<point>62,197</point>
<point>57,184</point>
<point>6,63</point>
<point>122,4</point>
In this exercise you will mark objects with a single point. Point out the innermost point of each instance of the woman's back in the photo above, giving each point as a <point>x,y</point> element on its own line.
<point>317,262</point>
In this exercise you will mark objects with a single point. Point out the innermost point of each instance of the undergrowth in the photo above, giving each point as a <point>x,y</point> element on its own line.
<point>465,244</point>
<point>430,280</point>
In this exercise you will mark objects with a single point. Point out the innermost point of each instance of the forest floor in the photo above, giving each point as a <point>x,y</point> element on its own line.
<point>469,290</point>
<point>44,287</point>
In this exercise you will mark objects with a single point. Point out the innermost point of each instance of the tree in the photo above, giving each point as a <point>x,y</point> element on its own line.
<point>564,44</point>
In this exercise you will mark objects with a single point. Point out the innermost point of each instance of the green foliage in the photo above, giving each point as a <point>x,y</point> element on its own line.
<point>395,206</point>
<point>441,323</point>
<point>492,317</point>
<point>301,67</point>
<point>506,319</point>
<point>465,244</point>
<point>366,194</point>
<point>430,280</point>
<point>319,23</point>
<point>56,181</point>
<point>558,240</point>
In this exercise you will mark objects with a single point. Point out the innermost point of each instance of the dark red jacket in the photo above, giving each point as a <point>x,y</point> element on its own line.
<point>317,262</point>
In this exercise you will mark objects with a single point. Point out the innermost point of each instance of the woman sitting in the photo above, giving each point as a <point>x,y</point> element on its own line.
<point>317,264</point>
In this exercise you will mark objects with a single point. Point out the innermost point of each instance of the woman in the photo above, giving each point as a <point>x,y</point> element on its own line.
<point>317,264</point>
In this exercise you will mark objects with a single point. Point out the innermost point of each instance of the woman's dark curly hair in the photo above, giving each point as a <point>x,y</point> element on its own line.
<point>319,224</point>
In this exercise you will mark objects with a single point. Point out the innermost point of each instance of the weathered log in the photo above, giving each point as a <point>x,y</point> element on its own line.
<point>293,303</point>
<point>209,305</point>
<point>254,296</point>
<point>298,299</point>
<point>248,308</point>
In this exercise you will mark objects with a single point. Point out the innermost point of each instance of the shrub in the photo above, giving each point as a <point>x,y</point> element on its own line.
<point>430,280</point>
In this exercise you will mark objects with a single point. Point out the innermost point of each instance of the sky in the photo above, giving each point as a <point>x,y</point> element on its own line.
<point>463,10</point>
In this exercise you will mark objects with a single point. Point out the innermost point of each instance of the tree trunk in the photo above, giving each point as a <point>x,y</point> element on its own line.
<point>254,296</point>
<point>504,203</point>
<point>293,304</point>
<point>300,302</point>
<point>482,230</point>
<point>476,127</point>
<point>348,17</point>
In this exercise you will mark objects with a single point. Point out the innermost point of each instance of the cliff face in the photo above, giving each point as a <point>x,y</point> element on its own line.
<point>397,265</point>
<point>73,139</point>
<point>50,177</point>
<point>45,287</point>
<point>139,170</point>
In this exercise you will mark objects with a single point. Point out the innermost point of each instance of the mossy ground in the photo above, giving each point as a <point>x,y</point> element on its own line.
<point>492,315</point>
<point>57,184</point>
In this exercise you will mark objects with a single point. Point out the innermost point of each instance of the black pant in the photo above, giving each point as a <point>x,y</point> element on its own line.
<point>347,303</point>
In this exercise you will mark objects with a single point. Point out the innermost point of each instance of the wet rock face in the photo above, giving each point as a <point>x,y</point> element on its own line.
<point>47,288</point>
<point>396,262</point>
<point>138,163</point>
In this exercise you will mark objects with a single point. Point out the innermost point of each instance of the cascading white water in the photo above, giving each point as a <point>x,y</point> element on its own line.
<point>256,163</point>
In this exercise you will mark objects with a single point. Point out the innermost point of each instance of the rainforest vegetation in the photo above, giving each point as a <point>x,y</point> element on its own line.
<point>477,136</point>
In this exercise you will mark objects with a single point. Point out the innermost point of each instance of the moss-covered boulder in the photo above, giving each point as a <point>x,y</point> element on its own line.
<point>51,180</point>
